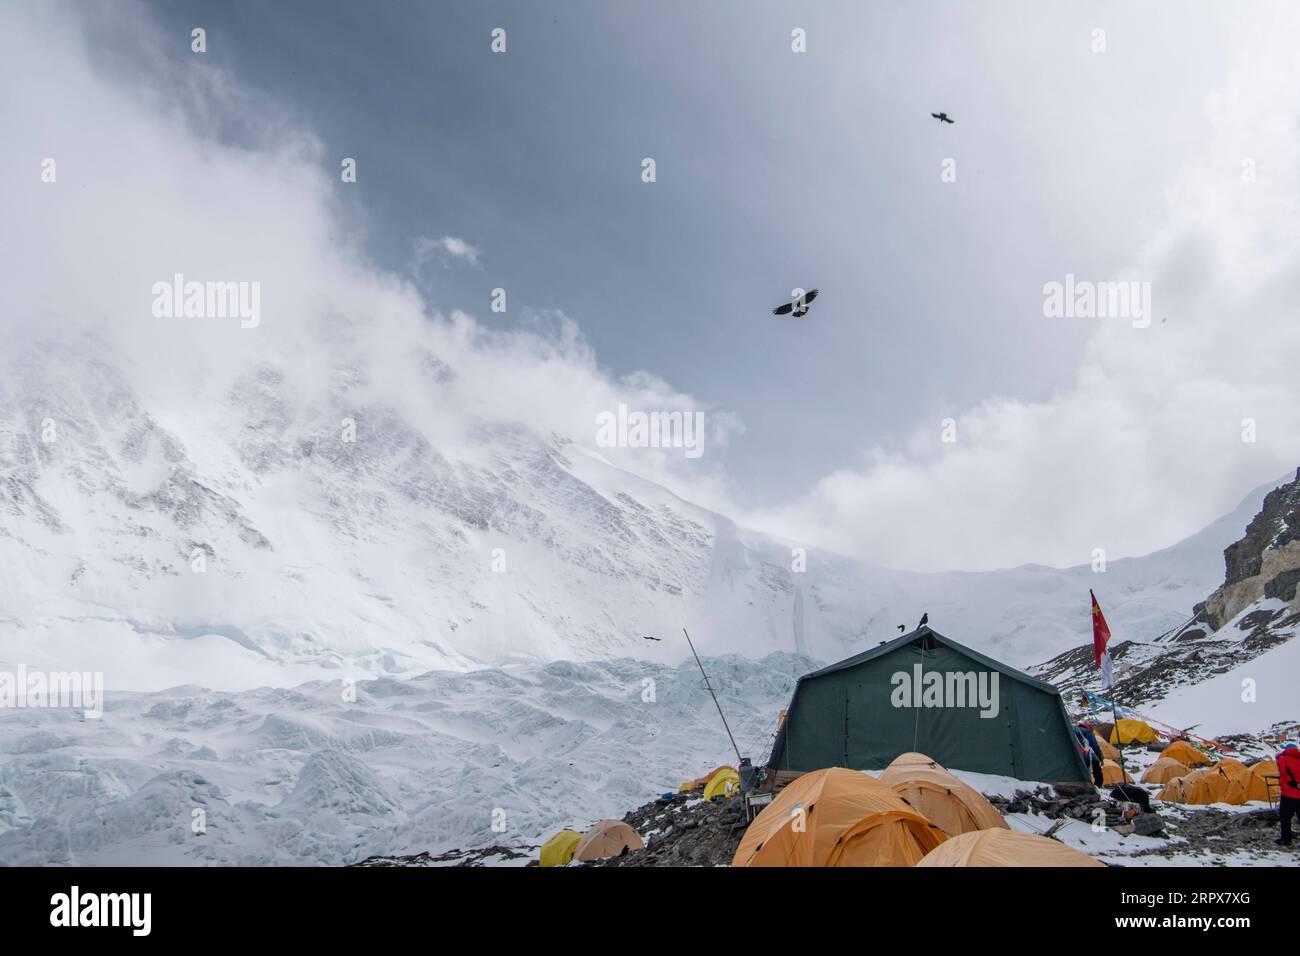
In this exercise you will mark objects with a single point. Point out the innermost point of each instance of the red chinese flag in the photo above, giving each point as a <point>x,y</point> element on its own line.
<point>1100,631</point>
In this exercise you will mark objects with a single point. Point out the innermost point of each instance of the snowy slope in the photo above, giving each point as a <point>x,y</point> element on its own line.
<point>395,553</point>
<point>1229,668</point>
<point>1242,699</point>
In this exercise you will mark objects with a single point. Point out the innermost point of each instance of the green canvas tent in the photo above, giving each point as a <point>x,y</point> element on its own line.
<point>926,693</point>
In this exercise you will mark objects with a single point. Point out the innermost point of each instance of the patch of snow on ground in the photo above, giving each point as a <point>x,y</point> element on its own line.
<point>1221,704</point>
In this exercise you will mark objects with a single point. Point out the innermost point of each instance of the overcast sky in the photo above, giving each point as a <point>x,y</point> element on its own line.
<point>1169,156</point>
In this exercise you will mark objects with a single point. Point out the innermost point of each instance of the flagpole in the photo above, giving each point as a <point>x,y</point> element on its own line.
<point>1114,715</point>
<point>1101,648</point>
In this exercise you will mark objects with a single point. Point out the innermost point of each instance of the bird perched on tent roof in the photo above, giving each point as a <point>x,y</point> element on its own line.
<point>925,619</point>
<point>943,118</point>
<point>797,306</point>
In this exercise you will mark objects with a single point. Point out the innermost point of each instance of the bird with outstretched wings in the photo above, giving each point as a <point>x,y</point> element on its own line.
<point>796,306</point>
<point>943,118</point>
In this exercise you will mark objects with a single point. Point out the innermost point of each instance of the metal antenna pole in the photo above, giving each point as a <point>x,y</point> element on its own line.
<point>739,758</point>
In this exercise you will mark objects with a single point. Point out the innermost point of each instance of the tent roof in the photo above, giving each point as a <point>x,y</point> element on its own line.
<point>920,634</point>
<point>837,805</point>
<point>1005,848</point>
<point>1051,750</point>
<point>607,838</point>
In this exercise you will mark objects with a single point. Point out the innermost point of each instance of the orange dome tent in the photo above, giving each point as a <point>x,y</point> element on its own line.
<point>1217,786</point>
<point>1005,848</point>
<point>1207,785</point>
<point>606,839</point>
<point>1164,770</point>
<point>837,817</point>
<point>913,759</point>
<point>1108,750</point>
<point>1111,772</point>
<point>1185,754</point>
<point>1173,791</point>
<point>1256,786</point>
<point>1232,767</point>
<point>942,799</point>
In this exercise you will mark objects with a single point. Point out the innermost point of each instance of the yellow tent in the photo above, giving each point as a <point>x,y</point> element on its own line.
<point>837,817</point>
<point>1164,770</point>
<point>1132,731</point>
<point>1005,848</point>
<point>700,782</point>
<point>1185,754</point>
<point>722,784</point>
<point>558,850</point>
<point>942,799</point>
<point>1111,772</point>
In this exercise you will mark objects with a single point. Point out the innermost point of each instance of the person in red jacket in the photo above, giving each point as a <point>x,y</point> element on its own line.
<point>1288,769</point>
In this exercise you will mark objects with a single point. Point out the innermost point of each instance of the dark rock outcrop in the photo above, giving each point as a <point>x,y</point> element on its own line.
<point>1264,563</point>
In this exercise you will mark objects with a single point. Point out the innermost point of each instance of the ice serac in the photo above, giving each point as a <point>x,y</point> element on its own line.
<point>327,774</point>
<point>271,534</point>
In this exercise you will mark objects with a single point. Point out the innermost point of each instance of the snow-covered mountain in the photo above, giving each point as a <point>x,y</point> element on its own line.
<point>500,704</point>
<point>264,538</point>
<point>1231,667</point>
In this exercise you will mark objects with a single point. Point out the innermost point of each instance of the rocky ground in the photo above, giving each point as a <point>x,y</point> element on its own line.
<point>481,856</point>
<point>1179,831</point>
<point>685,831</point>
<point>1216,837</point>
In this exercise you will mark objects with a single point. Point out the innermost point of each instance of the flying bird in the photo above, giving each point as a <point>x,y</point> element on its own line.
<point>943,118</point>
<point>797,306</point>
<point>901,629</point>
<point>647,637</point>
<point>925,619</point>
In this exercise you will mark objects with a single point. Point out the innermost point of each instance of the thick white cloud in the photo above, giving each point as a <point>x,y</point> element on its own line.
<point>1141,447</point>
<point>144,190</point>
